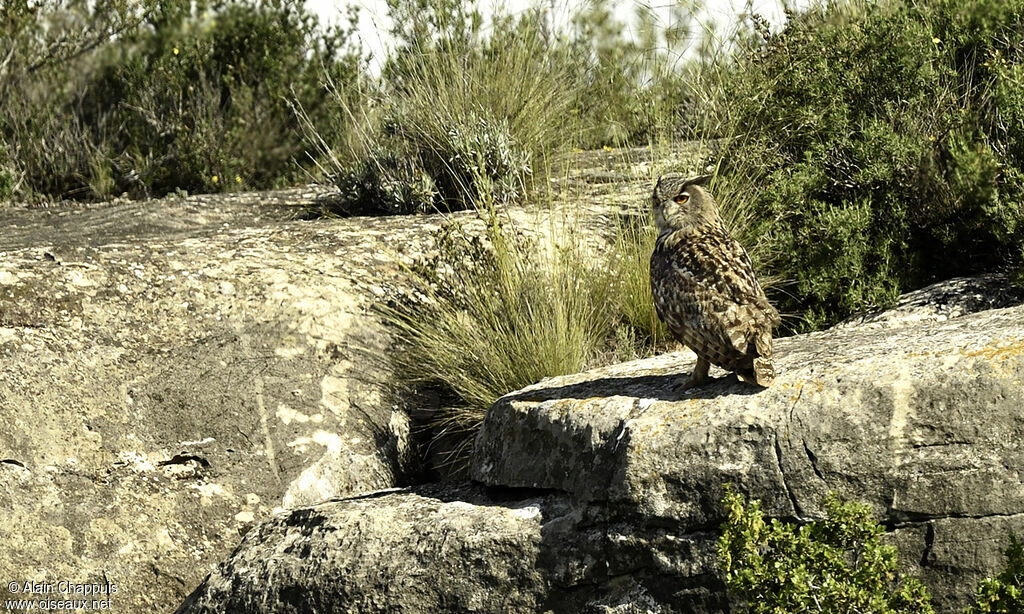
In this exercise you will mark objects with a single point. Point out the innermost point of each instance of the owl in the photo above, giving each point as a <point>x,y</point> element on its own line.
<point>704,285</point>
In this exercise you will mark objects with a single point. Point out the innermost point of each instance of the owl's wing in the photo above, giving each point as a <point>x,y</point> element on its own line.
<point>714,290</point>
<point>738,282</point>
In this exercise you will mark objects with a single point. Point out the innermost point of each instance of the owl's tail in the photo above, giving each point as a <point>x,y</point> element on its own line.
<point>764,372</point>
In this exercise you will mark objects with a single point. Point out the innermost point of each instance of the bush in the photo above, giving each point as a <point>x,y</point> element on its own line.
<point>8,180</point>
<point>485,112</point>
<point>836,565</point>
<point>881,143</point>
<point>477,114</point>
<point>383,183</point>
<point>174,98</point>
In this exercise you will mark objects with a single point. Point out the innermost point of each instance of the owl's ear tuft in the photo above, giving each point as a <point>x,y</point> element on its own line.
<point>700,180</point>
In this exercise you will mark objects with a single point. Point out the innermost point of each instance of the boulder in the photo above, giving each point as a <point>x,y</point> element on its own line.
<point>610,480</point>
<point>431,549</point>
<point>172,372</point>
<point>922,421</point>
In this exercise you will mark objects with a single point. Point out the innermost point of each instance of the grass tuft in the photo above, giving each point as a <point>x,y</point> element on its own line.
<point>499,310</point>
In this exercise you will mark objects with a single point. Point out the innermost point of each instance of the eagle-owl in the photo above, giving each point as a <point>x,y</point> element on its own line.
<point>704,285</point>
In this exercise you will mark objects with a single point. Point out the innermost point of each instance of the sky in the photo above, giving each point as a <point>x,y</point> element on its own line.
<point>373,24</point>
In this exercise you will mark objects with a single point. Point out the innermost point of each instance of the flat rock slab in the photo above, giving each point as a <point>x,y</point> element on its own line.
<point>173,371</point>
<point>924,422</point>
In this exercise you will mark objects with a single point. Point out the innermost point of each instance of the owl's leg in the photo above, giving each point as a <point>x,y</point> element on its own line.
<point>699,374</point>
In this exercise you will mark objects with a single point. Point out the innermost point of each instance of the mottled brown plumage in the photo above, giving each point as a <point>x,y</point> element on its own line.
<point>704,285</point>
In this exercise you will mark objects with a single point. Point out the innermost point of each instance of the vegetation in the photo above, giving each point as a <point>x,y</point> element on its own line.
<point>836,565</point>
<point>880,144</point>
<point>466,116</point>
<point>164,96</point>
<point>475,114</point>
<point>498,309</point>
<point>1003,594</point>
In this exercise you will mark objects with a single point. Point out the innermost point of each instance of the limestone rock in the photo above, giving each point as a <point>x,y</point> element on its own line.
<point>432,550</point>
<point>622,475</point>
<point>172,372</point>
<point>924,422</point>
<point>441,548</point>
<point>947,299</point>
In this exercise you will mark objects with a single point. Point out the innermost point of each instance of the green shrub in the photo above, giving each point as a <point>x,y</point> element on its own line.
<point>182,97</point>
<point>383,183</point>
<point>472,157</point>
<point>837,564</point>
<point>485,112</point>
<point>46,50</point>
<point>1003,594</point>
<point>881,143</point>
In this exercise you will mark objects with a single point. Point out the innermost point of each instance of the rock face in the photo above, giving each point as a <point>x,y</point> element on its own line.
<point>441,548</point>
<point>609,481</point>
<point>425,550</point>
<point>171,372</point>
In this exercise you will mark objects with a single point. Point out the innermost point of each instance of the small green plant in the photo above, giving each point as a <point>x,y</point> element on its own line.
<point>383,183</point>
<point>836,565</point>
<point>1003,594</point>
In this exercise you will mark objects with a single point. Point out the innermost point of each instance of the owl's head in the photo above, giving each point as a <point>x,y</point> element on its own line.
<point>682,202</point>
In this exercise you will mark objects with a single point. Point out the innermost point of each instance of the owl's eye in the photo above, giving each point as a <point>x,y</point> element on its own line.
<point>682,198</point>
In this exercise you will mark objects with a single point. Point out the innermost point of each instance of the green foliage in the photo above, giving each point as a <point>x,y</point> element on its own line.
<point>484,111</point>
<point>383,183</point>
<point>836,565</point>
<point>477,114</point>
<point>881,146</point>
<point>632,243</point>
<point>177,95</point>
<point>1003,594</point>
<point>498,310</point>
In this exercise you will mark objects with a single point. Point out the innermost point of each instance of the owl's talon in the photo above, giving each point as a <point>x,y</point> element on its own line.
<point>698,376</point>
